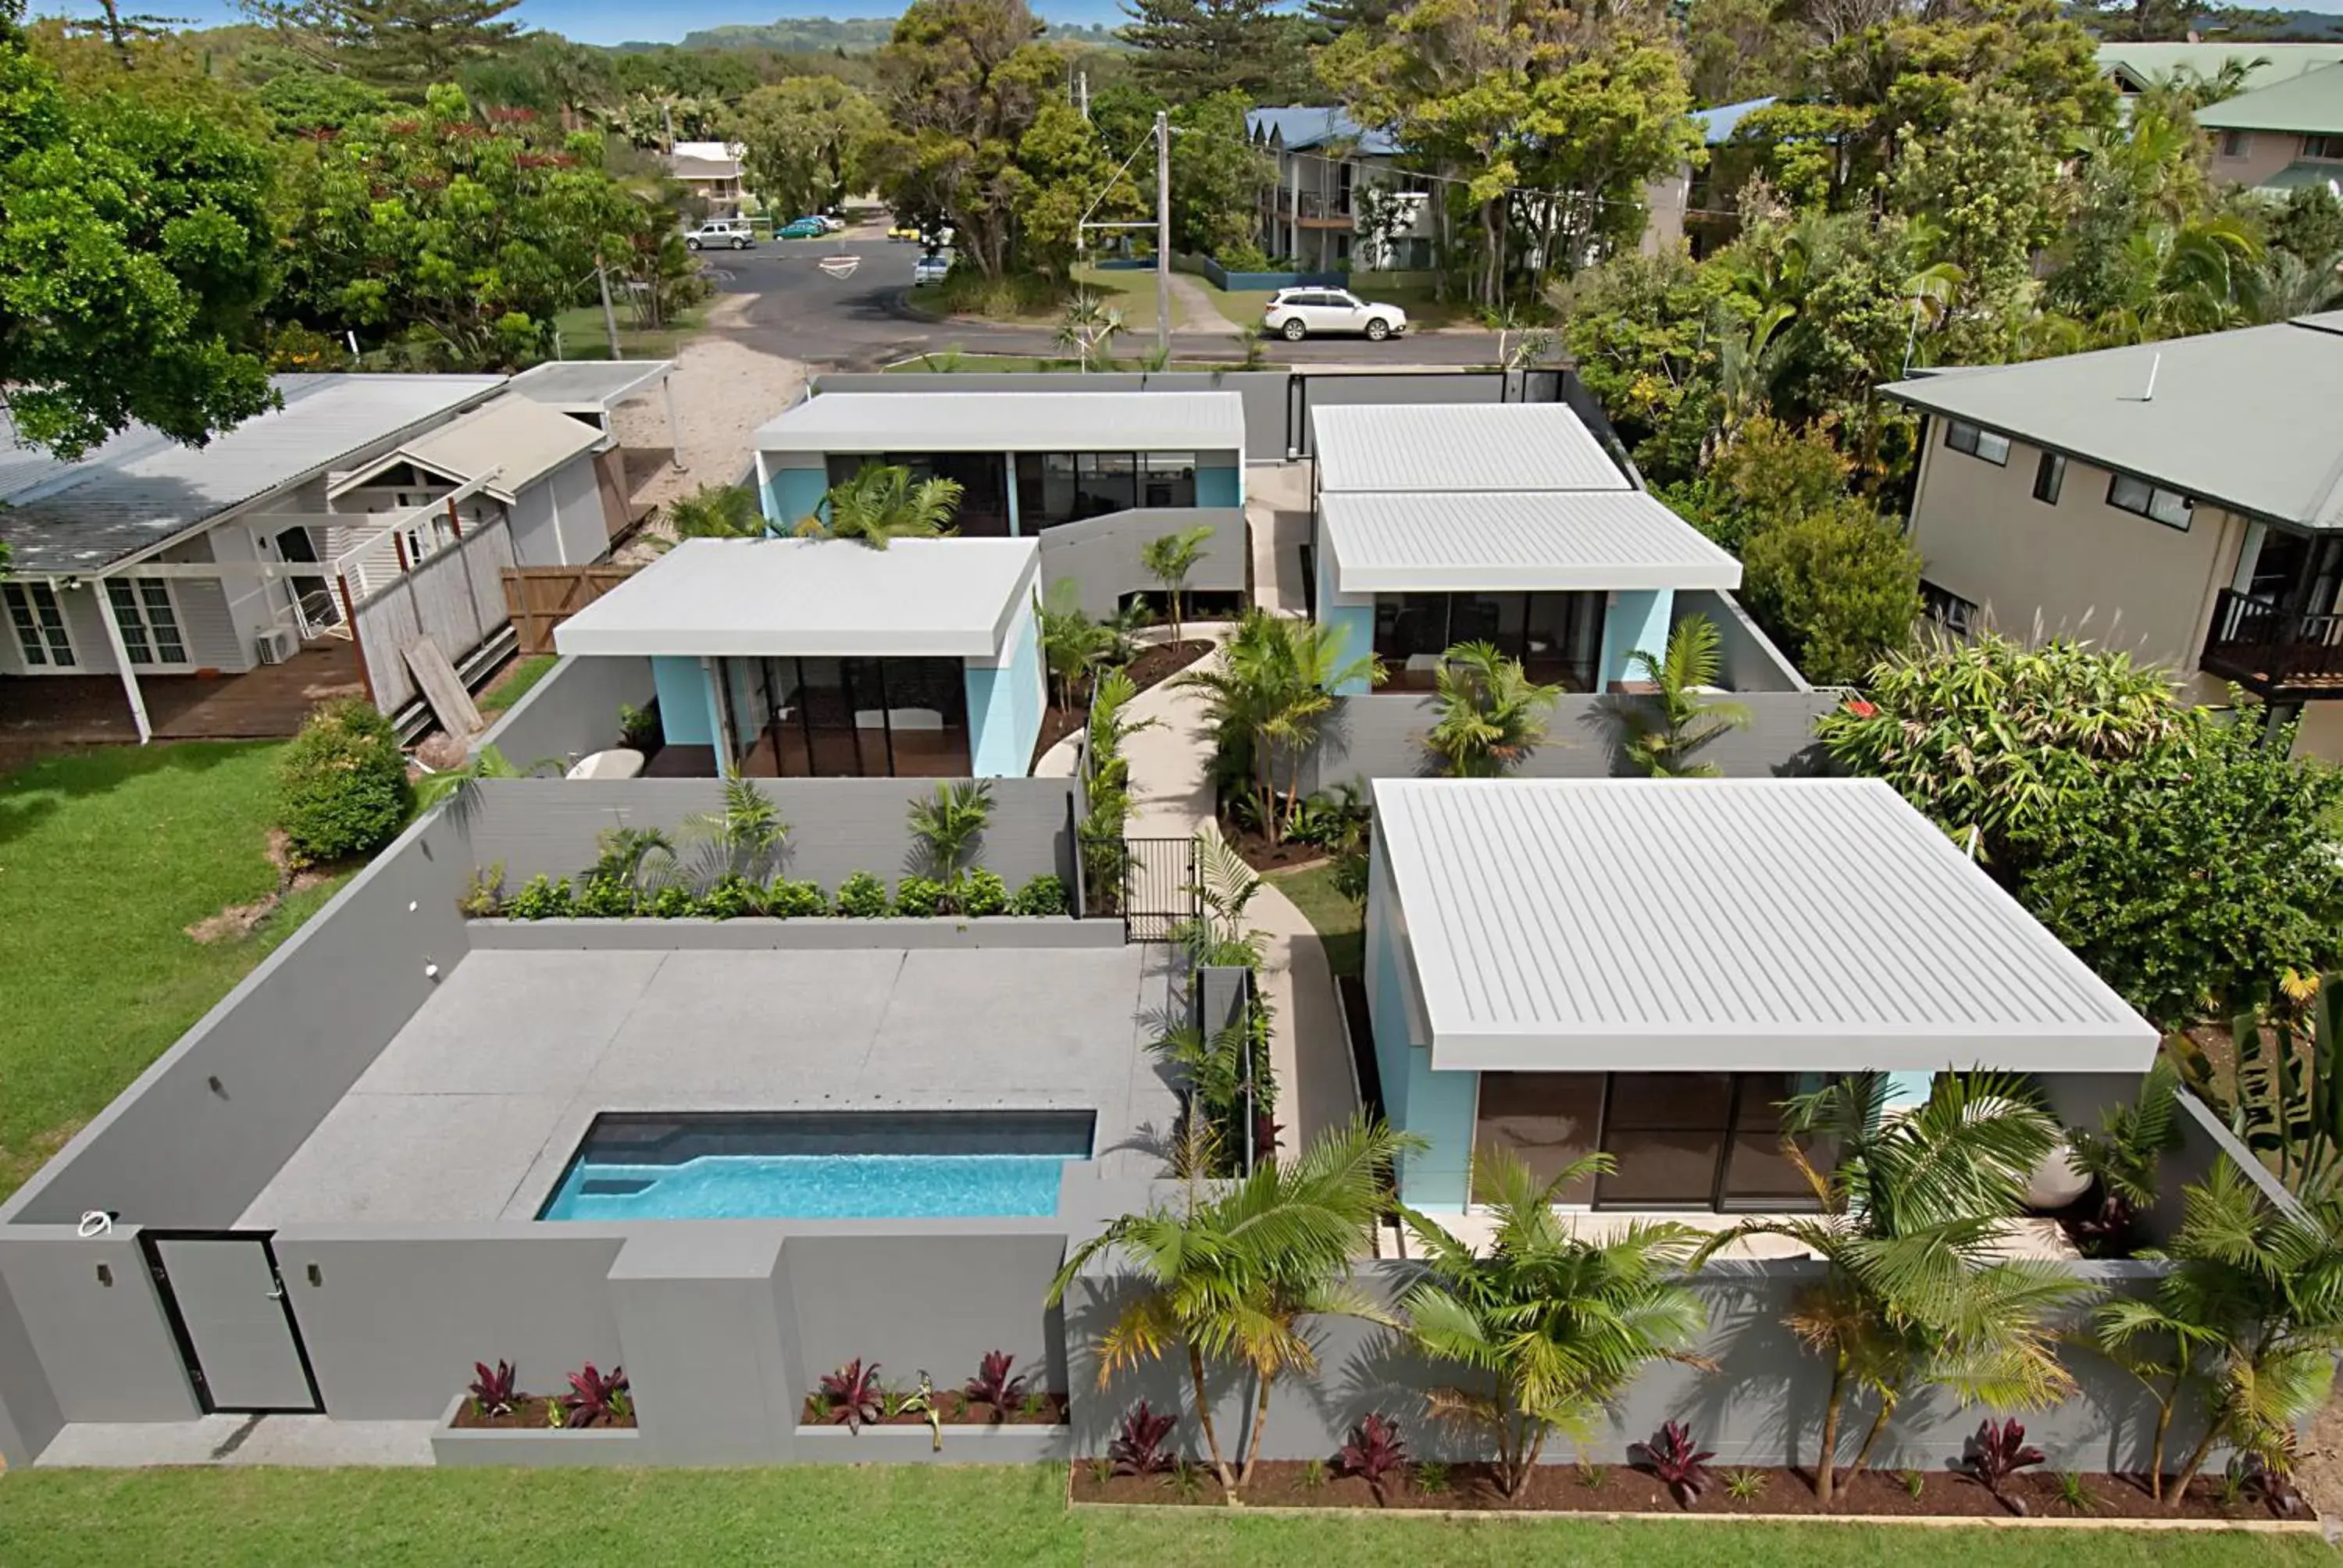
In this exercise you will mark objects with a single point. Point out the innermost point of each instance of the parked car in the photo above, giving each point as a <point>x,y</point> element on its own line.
<point>831,223</point>
<point>720,234</point>
<point>803,228</point>
<point>903,232</point>
<point>931,269</point>
<point>1295,313</point>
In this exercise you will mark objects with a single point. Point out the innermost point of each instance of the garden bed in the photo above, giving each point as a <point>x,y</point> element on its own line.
<point>530,1411</point>
<point>1618,1489</point>
<point>527,1437</point>
<point>1155,665</point>
<point>1263,854</point>
<point>959,1411</point>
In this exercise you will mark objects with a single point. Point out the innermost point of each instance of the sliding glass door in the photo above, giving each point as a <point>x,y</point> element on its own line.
<point>1556,636</point>
<point>863,718</point>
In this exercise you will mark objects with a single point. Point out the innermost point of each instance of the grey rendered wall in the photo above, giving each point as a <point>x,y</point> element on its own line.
<point>838,826</point>
<point>1379,736</point>
<point>936,1301</point>
<point>574,710</point>
<point>832,933</point>
<point>1101,555</point>
<point>29,1416</point>
<point>396,1319</point>
<point>1751,661</point>
<point>710,1346</point>
<point>101,1351</point>
<point>197,1137</point>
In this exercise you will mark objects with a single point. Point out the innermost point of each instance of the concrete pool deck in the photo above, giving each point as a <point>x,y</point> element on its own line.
<point>472,1113</point>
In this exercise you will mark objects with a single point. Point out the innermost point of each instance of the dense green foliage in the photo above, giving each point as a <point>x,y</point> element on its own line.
<point>1837,589</point>
<point>342,789</point>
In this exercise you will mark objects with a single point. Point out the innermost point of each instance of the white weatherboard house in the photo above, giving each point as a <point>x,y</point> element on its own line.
<point>1646,968</point>
<point>826,658</point>
<point>1442,523</point>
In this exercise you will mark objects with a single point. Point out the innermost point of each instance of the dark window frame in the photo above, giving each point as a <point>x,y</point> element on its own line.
<point>1973,440</point>
<point>1949,609</point>
<point>2146,507</point>
<point>2049,478</point>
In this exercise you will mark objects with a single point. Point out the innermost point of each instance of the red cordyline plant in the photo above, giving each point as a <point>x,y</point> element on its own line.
<point>853,1393</point>
<point>1675,1463</point>
<point>992,1384</point>
<point>595,1400</point>
<point>1999,1450</point>
<point>493,1391</point>
<point>1373,1452</point>
<point>1138,1449</point>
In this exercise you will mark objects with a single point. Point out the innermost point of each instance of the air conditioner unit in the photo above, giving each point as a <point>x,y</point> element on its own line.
<point>275,645</point>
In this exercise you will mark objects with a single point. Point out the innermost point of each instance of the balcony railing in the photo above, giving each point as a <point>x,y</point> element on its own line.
<point>2272,651</point>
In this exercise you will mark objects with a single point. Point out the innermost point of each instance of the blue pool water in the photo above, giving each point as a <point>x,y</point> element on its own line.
<point>812,1187</point>
<point>819,1165</point>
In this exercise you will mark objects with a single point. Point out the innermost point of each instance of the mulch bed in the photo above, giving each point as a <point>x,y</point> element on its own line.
<point>529,1410</point>
<point>959,1410</point>
<point>1153,666</point>
<point>1261,854</point>
<point>1617,1489</point>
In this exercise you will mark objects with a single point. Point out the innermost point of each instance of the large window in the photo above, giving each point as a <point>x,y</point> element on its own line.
<point>1963,437</point>
<point>860,718</point>
<point>1054,488</point>
<point>2326,148</point>
<point>41,635</point>
<point>982,478</point>
<point>148,620</point>
<point>1556,636</point>
<point>2049,478</point>
<point>2170,507</point>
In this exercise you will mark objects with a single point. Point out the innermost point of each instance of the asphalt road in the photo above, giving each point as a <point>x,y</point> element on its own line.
<point>860,322</point>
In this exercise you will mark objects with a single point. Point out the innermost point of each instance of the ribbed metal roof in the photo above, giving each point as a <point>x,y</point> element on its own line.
<point>589,386</point>
<point>519,441</point>
<point>817,598</point>
<point>1806,924</point>
<point>1383,542</point>
<point>1458,446</point>
<point>142,489</point>
<point>1008,422</point>
<point>2308,104</point>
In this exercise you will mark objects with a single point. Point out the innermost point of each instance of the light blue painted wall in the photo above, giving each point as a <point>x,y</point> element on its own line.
<point>1004,706</point>
<point>1905,1090</point>
<point>1352,624</point>
<point>1438,1106</point>
<point>684,715</point>
<point>1636,618</point>
<point>792,493</point>
<point>1220,486</point>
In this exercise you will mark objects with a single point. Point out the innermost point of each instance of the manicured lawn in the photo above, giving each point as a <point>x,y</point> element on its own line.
<point>515,683</point>
<point>1339,921</point>
<point>1244,306</point>
<point>104,856</point>
<point>913,1515</point>
<point>945,361</point>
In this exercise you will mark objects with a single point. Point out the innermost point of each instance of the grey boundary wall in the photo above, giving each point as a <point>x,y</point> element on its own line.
<point>1100,556</point>
<point>572,711</point>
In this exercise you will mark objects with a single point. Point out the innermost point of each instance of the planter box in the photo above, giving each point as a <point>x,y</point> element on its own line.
<point>761,933</point>
<point>915,1445</point>
<point>541,1447</point>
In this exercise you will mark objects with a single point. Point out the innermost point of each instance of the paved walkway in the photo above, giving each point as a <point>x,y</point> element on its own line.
<point>1277,519</point>
<point>1193,308</point>
<point>240,1440</point>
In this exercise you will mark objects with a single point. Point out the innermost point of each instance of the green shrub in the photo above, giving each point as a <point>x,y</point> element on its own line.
<point>795,900</point>
<point>543,900</point>
<point>983,893</point>
<point>863,895</point>
<point>342,789</point>
<point>1243,258</point>
<point>919,897</point>
<point>732,897</point>
<point>607,898</point>
<point>483,893</point>
<point>673,902</point>
<point>1044,895</point>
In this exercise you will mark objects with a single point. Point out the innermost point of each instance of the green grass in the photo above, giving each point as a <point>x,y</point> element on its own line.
<point>515,683</point>
<point>584,336</point>
<point>918,1515</point>
<point>1244,306</point>
<point>1339,921</point>
<point>104,856</point>
<point>945,359</point>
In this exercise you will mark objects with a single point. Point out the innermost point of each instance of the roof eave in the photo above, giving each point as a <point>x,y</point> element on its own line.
<point>1798,1047</point>
<point>1624,576</point>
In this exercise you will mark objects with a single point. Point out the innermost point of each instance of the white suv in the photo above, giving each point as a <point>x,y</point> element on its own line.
<point>722,232</point>
<point>1295,313</point>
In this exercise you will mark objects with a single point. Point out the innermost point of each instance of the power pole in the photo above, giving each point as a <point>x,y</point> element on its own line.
<point>1082,93</point>
<point>610,317</point>
<point>1164,235</point>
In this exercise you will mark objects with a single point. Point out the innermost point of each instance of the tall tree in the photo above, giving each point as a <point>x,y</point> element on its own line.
<point>135,248</point>
<point>1838,587</point>
<point>1191,49</point>
<point>405,45</point>
<point>805,140</point>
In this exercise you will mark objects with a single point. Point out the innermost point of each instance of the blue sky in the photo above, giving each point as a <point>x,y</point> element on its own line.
<point>613,22</point>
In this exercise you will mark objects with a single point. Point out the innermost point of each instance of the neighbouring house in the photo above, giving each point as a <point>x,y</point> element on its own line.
<point>1678,205</point>
<point>2282,136</point>
<point>1440,524</point>
<point>711,171</point>
<point>154,562</point>
<point>2183,499</point>
<point>1092,475</point>
<point>593,390</point>
<point>1645,969</point>
<point>2134,68</point>
<point>827,659</point>
<point>1342,202</point>
<point>516,459</point>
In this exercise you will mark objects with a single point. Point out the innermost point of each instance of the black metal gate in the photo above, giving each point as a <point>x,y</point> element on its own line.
<point>1150,882</point>
<point>232,1319</point>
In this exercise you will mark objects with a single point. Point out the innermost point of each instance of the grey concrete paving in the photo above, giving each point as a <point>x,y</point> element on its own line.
<point>470,1114</point>
<point>309,1440</point>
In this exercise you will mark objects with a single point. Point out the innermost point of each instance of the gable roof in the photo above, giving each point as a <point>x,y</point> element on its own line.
<point>2245,420</point>
<point>2309,105</point>
<point>1301,126</point>
<point>1495,542</point>
<point>516,440</point>
<point>1458,446</point>
<point>2142,64</point>
<point>141,489</point>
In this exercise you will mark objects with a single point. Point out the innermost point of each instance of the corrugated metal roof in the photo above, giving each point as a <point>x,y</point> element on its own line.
<point>2245,420</point>
<point>1808,924</point>
<point>2310,104</point>
<point>141,489</point>
<point>1303,126</point>
<point>1494,540</point>
<point>1717,125</point>
<point>1008,422</point>
<point>520,440</point>
<point>590,385</point>
<point>780,597</point>
<point>2305,172</point>
<point>1458,446</point>
<point>2264,63</point>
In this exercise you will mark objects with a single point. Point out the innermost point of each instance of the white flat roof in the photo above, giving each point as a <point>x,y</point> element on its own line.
<point>589,386</point>
<point>1008,422</point>
<point>1816,925</point>
<point>1490,541</point>
<point>1458,446</point>
<point>820,598</point>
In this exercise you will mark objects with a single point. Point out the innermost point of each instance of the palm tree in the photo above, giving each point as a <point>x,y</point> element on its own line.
<point>745,839</point>
<point>491,763</point>
<point>2288,286</point>
<point>1170,559</point>
<point>882,503</point>
<point>1492,714</point>
<point>1072,644</point>
<point>1557,1325</point>
<point>1087,325</point>
<point>717,512</point>
<point>949,825</point>
<point>1681,718</point>
<point>1267,694</point>
<point>1915,1288</point>
<point>1231,1275</point>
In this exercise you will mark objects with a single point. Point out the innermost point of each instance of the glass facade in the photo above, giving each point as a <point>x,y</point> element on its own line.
<point>856,718</point>
<point>1558,637</point>
<point>1677,1140</point>
<point>1054,488</point>
<point>982,476</point>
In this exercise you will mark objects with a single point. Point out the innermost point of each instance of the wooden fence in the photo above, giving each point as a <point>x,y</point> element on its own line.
<point>539,599</point>
<point>450,596</point>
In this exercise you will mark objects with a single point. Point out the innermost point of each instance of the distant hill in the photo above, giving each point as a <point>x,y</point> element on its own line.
<point>799,33</point>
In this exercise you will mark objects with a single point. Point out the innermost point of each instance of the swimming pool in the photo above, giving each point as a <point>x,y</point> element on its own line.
<point>821,1165</point>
